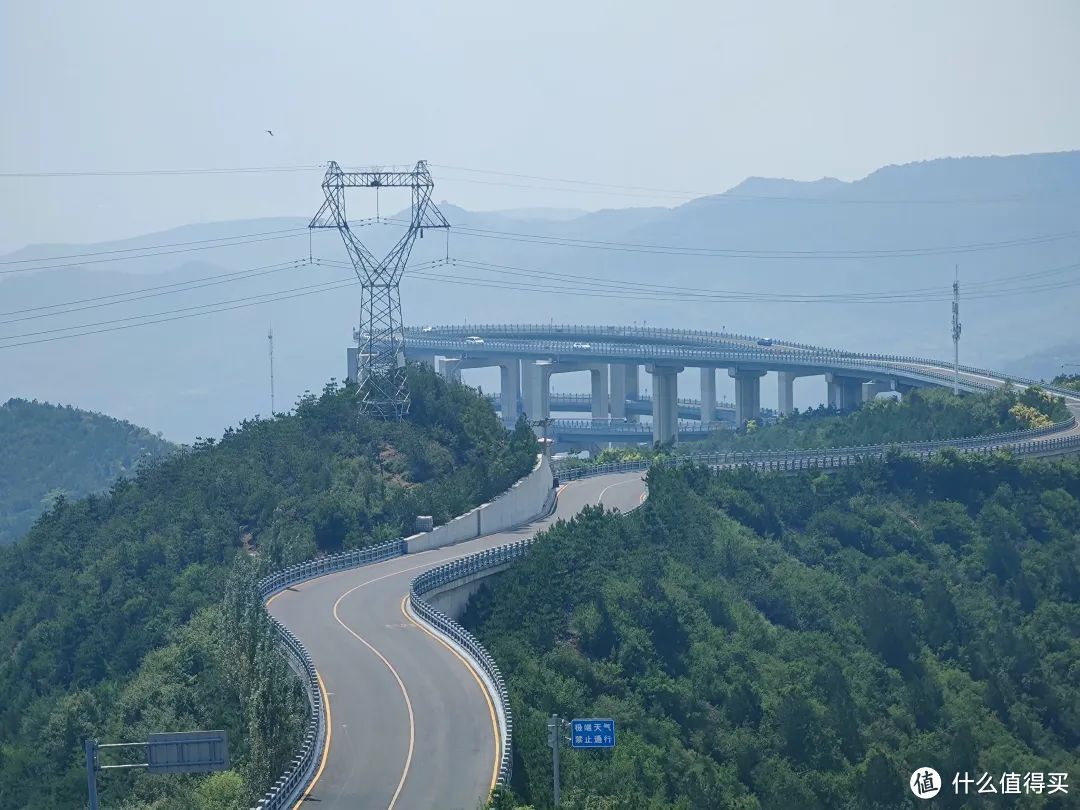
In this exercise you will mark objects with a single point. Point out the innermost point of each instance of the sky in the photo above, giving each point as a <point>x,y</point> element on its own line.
<point>684,96</point>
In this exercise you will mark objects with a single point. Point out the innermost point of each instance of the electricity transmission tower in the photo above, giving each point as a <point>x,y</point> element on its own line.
<point>384,388</point>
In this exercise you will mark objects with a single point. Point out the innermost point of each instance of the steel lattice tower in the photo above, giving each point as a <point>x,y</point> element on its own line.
<point>384,387</point>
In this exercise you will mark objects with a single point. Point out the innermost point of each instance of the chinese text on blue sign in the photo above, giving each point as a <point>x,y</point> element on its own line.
<point>592,733</point>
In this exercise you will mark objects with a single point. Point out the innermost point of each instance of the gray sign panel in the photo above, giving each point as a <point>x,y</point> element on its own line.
<point>188,752</point>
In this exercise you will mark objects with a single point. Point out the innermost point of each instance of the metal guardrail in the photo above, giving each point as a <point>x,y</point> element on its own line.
<point>285,792</point>
<point>451,572</point>
<point>1020,442</point>
<point>585,400</point>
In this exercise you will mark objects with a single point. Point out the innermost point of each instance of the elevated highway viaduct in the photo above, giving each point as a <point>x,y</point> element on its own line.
<point>529,355</point>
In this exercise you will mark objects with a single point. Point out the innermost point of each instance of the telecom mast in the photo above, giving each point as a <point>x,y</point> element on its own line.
<point>956,329</point>
<point>384,388</point>
<point>270,339</point>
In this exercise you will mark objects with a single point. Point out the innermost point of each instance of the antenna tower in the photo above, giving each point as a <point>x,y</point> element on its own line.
<point>956,329</point>
<point>383,385</point>
<point>270,340</point>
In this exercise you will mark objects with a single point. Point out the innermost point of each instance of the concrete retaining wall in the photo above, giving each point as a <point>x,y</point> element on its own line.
<point>525,500</point>
<point>453,597</point>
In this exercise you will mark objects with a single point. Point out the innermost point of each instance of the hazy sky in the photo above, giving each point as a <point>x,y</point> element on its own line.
<point>688,96</point>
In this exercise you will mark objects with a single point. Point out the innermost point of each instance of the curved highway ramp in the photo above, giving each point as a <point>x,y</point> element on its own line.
<point>410,725</point>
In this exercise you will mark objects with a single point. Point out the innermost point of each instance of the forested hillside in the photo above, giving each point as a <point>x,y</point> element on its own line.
<point>51,451</point>
<point>925,414</point>
<point>801,641</point>
<point>113,616</point>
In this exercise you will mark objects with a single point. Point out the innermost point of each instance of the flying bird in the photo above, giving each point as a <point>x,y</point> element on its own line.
<point>271,134</point>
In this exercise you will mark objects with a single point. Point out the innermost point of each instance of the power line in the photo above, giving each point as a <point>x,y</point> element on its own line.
<point>746,253</point>
<point>740,253</point>
<point>175,314</point>
<point>614,188</point>
<point>149,254</point>
<point>181,287</point>
<point>604,288</point>
<point>166,172</point>
<point>152,247</point>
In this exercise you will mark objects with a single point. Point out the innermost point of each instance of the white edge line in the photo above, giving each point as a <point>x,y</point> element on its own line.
<point>485,679</point>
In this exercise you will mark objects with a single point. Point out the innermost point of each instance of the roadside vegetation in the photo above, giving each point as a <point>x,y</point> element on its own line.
<point>134,611</point>
<point>1070,381</point>
<point>779,641</point>
<point>48,452</point>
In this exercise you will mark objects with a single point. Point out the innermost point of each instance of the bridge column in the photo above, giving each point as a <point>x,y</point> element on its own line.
<point>871,389</point>
<point>449,367</point>
<point>633,383</point>
<point>747,393</point>
<point>845,393</point>
<point>536,387</point>
<point>509,390</point>
<point>665,404</point>
<point>708,396</point>
<point>633,386</point>
<point>352,359</point>
<point>617,377</point>
<point>786,384</point>
<point>599,380</point>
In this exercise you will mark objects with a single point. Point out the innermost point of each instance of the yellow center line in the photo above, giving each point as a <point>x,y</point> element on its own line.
<point>483,690</point>
<point>400,683</point>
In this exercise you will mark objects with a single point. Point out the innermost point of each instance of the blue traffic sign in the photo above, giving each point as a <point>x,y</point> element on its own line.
<point>592,733</point>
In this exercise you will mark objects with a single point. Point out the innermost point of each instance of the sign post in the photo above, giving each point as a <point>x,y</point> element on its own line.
<point>592,732</point>
<point>554,733</point>
<point>177,752</point>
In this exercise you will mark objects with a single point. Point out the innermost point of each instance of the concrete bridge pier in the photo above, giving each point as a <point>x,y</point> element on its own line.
<point>871,389</point>
<point>510,390</point>
<point>747,393</point>
<point>786,390</point>
<point>785,381</point>
<point>617,375</point>
<point>845,393</point>
<point>665,403</point>
<point>536,388</point>
<point>598,378</point>
<point>449,367</point>
<point>352,359</point>
<point>708,395</point>
<point>633,382</point>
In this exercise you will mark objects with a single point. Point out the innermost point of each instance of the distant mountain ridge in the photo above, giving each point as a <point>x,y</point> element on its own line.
<point>52,451</point>
<point>196,375</point>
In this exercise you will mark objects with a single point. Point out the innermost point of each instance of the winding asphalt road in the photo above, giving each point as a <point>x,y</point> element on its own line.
<point>406,728</point>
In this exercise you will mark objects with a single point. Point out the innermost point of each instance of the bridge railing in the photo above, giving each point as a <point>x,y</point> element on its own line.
<point>285,792</point>
<point>451,572</point>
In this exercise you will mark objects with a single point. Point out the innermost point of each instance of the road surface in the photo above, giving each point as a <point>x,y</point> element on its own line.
<point>410,726</point>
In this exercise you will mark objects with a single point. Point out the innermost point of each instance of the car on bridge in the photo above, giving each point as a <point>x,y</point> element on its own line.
<point>765,342</point>
<point>581,347</point>
<point>474,340</point>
